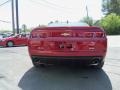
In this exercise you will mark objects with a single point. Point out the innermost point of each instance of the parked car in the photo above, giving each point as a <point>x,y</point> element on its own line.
<point>17,40</point>
<point>70,43</point>
<point>2,35</point>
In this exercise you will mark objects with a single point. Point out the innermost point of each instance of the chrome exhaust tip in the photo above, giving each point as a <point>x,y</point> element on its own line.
<point>95,62</point>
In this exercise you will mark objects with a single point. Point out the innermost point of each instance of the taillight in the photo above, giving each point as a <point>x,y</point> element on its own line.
<point>33,36</point>
<point>79,35</point>
<point>89,34</point>
<point>38,35</point>
<point>42,35</point>
<point>56,34</point>
<point>99,34</point>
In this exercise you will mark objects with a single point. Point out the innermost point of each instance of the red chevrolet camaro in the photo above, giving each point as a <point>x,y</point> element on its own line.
<point>68,43</point>
<point>17,40</point>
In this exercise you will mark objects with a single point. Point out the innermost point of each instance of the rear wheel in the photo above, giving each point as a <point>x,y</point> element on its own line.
<point>10,44</point>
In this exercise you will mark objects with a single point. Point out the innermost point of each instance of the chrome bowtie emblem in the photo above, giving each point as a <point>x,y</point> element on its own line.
<point>65,34</point>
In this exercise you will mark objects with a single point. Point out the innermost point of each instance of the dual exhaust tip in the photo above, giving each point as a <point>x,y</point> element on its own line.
<point>95,62</point>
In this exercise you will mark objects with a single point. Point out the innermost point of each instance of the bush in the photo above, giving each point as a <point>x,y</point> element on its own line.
<point>111,24</point>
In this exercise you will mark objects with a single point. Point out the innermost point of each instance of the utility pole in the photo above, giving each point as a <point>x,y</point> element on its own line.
<point>88,21</point>
<point>13,20</point>
<point>87,11</point>
<point>17,17</point>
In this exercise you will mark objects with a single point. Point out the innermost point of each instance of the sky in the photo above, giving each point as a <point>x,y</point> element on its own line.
<point>35,12</point>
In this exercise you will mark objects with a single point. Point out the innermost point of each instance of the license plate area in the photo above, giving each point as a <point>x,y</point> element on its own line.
<point>72,46</point>
<point>64,45</point>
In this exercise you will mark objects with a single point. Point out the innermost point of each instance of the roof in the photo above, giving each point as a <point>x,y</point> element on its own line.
<point>59,24</point>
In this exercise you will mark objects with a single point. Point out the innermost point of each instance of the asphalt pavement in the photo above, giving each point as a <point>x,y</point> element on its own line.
<point>18,73</point>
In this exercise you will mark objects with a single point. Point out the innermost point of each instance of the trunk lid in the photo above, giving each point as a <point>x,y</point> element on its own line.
<point>67,38</point>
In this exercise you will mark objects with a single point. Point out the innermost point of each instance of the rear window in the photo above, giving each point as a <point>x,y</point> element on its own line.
<point>67,24</point>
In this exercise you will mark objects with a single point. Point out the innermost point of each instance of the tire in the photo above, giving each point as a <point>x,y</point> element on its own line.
<point>10,44</point>
<point>36,62</point>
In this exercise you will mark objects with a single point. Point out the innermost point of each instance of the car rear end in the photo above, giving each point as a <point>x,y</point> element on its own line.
<point>3,42</point>
<point>77,44</point>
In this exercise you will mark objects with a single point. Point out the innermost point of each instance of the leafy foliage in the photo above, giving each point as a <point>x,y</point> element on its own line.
<point>90,21</point>
<point>111,24</point>
<point>111,6</point>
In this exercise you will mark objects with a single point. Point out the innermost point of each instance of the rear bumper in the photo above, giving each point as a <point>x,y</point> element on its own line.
<point>68,53</point>
<point>67,59</point>
<point>2,43</point>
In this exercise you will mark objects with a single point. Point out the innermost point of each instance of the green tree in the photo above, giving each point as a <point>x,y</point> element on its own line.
<point>111,6</point>
<point>90,21</point>
<point>111,24</point>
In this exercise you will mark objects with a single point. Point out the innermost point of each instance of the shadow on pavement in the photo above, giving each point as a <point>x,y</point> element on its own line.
<point>65,78</point>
